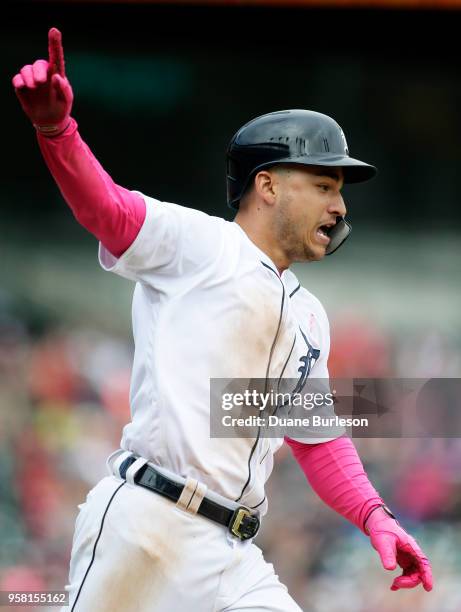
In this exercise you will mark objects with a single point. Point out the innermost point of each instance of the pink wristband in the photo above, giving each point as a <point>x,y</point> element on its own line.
<point>53,130</point>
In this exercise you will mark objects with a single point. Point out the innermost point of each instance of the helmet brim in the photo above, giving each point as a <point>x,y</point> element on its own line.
<point>355,171</point>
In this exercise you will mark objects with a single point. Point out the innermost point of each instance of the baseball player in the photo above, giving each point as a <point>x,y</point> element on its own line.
<point>171,527</point>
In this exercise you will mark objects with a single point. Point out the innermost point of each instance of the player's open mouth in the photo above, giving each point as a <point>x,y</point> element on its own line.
<point>322,233</point>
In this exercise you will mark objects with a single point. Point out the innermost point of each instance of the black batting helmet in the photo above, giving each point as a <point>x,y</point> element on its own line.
<point>290,136</point>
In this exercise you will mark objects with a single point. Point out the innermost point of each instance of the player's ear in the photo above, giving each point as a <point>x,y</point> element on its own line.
<point>265,185</point>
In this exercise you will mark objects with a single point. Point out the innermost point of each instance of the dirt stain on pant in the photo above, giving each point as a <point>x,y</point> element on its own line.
<point>137,557</point>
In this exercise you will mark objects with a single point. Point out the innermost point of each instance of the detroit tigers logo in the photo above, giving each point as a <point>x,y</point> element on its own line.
<point>343,138</point>
<point>307,363</point>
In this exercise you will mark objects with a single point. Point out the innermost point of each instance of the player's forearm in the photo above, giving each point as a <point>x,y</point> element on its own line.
<point>336,474</point>
<point>111,213</point>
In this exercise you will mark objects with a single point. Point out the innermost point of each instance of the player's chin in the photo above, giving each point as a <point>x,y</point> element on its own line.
<point>315,252</point>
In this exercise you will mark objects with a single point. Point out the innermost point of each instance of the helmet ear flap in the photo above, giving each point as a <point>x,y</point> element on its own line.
<point>338,235</point>
<point>234,186</point>
<point>231,169</point>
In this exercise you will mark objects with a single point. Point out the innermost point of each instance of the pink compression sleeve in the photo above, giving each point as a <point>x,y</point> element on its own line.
<point>336,474</point>
<point>112,213</point>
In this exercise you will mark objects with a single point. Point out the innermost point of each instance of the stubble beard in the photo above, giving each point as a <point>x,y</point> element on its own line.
<point>290,236</point>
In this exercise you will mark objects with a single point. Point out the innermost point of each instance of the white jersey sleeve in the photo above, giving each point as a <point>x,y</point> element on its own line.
<point>173,241</point>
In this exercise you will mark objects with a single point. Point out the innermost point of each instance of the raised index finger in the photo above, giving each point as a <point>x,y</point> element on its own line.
<point>56,52</point>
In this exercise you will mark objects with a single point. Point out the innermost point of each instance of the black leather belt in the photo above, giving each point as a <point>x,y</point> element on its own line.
<point>240,522</point>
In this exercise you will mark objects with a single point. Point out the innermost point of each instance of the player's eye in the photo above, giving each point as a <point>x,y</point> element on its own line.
<point>324,187</point>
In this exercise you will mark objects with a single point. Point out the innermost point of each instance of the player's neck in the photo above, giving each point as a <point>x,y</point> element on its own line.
<point>263,240</point>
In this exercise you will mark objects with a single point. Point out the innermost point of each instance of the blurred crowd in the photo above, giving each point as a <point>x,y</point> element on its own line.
<point>64,402</point>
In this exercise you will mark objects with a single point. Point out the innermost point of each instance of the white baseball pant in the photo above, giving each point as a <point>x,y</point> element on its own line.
<point>135,551</point>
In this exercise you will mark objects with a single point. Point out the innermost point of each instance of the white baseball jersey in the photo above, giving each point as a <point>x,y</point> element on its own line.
<point>208,303</point>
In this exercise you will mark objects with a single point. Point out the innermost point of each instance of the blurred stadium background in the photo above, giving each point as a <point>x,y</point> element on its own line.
<point>160,89</point>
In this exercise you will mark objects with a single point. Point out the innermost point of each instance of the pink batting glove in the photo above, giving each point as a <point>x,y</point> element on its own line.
<point>43,90</point>
<point>396,546</point>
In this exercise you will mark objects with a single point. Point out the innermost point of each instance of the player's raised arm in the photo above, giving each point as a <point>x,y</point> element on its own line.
<point>110,212</point>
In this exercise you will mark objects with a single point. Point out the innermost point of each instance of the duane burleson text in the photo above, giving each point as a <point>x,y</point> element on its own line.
<point>275,421</point>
